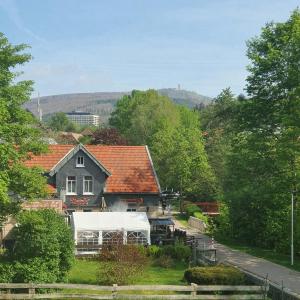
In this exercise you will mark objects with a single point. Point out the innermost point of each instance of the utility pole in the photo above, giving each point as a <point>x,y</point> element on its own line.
<point>39,109</point>
<point>292,230</point>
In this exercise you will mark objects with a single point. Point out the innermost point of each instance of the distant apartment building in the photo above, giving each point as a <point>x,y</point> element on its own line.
<point>83,118</point>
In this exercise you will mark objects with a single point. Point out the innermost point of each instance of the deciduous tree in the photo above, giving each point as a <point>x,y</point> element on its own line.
<point>173,134</point>
<point>44,248</point>
<point>19,134</point>
<point>264,167</point>
<point>108,136</point>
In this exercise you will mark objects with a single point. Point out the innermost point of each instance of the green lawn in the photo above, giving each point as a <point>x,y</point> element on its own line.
<point>84,271</point>
<point>158,275</point>
<point>281,259</point>
<point>183,219</point>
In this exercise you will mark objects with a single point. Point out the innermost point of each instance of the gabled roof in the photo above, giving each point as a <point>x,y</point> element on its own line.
<point>130,167</point>
<point>71,153</point>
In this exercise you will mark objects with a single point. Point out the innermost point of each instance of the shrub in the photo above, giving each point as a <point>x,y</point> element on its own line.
<point>215,275</point>
<point>36,270</point>
<point>191,209</point>
<point>177,252</point>
<point>44,247</point>
<point>164,261</point>
<point>6,272</point>
<point>120,264</point>
<point>153,251</point>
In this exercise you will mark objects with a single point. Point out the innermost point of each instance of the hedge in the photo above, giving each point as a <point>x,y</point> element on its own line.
<point>215,275</point>
<point>191,209</point>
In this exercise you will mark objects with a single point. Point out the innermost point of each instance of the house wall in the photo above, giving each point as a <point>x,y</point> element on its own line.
<point>89,169</point>
<point>115,202</point>
<point>149,203</point>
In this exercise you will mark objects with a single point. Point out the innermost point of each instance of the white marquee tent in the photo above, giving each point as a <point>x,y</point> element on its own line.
<point>93,229</point>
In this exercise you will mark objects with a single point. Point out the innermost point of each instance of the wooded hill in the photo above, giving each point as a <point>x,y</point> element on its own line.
<point>102,103</point>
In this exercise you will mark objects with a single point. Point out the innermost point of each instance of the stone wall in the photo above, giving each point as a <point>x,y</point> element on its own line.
<point>197,223</point>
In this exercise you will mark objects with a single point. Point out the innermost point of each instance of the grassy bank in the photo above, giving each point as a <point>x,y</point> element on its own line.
<point>183,219</point>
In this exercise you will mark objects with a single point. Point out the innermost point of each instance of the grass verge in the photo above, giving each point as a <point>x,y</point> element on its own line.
<point>183,219</point>
<point>271,255</point>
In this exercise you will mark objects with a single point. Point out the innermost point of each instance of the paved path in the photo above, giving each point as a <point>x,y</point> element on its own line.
<point>258,266</point>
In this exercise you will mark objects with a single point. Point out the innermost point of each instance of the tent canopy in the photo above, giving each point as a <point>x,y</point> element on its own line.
<point>161,222</point>
<point>128,221</point>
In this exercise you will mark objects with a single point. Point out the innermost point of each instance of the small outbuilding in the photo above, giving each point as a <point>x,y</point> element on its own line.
<point>94,229</point>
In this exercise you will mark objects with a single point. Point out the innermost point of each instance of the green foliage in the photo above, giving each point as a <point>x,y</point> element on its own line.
<point>18,131</point>
<point>173,134</point>
<point>153,251</point>
<point>191,209</point>
<point>85,271</point>
<point>7,272</point>
<point>43,249</point>
<point>217,275</point>
<point>140,115</point>
<point>36,270</point>
<point>180,159</point>
<point>164,261</point>
<point>85,140</point>
<point>72,127</point>
<point>178,252</point>
<point>199,215</point>
<point>223,224</point>
<point>60,122</point>
<point>28,182</point>
<point>263,166</point>
<point>216,123</point>
<point>268,254</point>
<point>120,264</point>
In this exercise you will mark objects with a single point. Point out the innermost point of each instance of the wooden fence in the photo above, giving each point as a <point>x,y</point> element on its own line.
<point>83,291</point>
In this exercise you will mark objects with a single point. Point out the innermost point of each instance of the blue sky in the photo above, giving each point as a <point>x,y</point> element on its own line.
<point>120,45</point>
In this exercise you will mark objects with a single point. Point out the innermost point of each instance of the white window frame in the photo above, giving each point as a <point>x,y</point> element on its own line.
<point>79,161</point>
<point>84,180</point>
<point>74,182</point>
<point>137,237</point>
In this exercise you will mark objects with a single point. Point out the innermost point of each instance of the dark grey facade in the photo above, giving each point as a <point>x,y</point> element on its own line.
<point>92,202</point>
<point>89,169</point>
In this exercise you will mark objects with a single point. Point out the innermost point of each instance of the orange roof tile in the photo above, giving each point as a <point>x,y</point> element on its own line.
<point>50,159</point>
<point>130,166</point>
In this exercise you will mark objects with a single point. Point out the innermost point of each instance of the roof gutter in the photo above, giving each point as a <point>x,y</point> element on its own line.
<point>152,166</point>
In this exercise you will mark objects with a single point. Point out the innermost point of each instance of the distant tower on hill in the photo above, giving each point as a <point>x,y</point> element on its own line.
<point>39,109</point>
<point>178,87</point>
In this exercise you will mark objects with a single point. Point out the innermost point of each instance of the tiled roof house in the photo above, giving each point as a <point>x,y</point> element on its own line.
<point>93,178</point>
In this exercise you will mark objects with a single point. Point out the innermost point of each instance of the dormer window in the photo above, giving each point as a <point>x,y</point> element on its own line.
<point>80,161</point>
